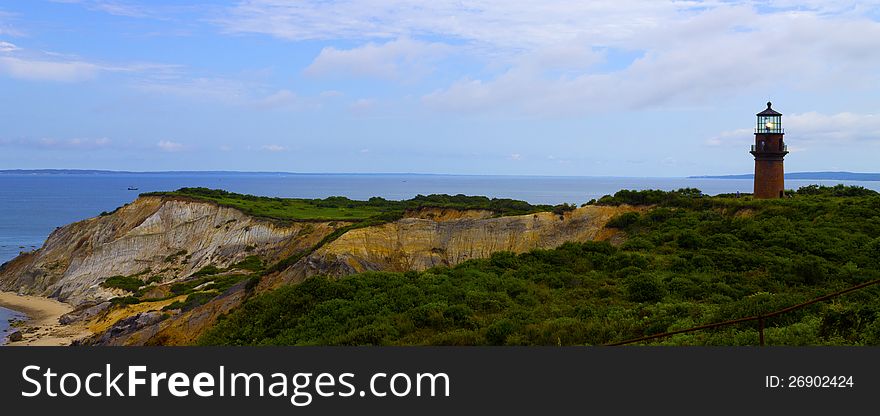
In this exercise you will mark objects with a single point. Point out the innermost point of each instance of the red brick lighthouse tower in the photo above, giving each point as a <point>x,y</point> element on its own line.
<point>769,150</point>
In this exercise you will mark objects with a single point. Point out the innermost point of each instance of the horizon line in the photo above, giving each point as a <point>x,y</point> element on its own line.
<point>111,171</point>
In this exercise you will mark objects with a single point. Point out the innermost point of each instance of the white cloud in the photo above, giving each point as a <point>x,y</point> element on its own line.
<point>833,128</point>
<point>515,156</point>
<point>571,57</point>
<point>100,142</point>
<point>65,144</point>
<point>279,99</point>
<point>400,58</point>
<point>363,105</point>
<point>738,137</point>
<point>121,9</point>
<point>223,90</point>
<point>6,28</point>
<point>52,66</point>
<point>29,69</point>
<point>115,7</point>
<point>512,23</point>
<point>202,88</point>
<point>331,94</point>
<point>6,47</point>
<point>274,148</point>
<point>813,128</point>
<point>545,57</point>
<point>501,24</point>
<point>694,59</point>
<point>169,146</point>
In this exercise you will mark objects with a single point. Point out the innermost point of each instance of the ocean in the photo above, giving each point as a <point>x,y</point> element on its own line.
<point>32,205</point>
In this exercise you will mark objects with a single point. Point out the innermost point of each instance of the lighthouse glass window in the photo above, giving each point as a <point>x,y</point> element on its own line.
<point>769,124</point>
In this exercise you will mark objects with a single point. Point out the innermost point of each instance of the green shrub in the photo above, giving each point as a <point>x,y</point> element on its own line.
<point>127,283</point>
<point>341,208</point>
<point>207,271</point>
<point>499,331</point>
<point>624,220</point>
<point>563,208</point>
<point>644,288</point>
<point>688,239</point>
<point>251,263</point>
<point>183,287</point>
<point>125,300</point>
<point>192,301</point>
<point>839,190</point>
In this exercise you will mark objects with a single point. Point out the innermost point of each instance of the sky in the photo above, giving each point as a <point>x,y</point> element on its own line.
<point>509,87</point>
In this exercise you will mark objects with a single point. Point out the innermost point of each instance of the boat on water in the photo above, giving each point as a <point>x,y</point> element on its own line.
<point>132,188</point>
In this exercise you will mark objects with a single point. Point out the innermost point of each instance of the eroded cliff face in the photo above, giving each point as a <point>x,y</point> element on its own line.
<point>441,238</point>
<point>160,236</point>
<point>172,238</point>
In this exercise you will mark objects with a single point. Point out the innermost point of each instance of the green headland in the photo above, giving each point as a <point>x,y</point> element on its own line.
<point>688,260</point>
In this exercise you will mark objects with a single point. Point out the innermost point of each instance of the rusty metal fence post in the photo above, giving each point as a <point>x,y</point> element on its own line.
<point>761,331</point>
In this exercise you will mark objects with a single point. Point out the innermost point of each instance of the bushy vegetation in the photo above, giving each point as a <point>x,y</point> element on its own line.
<point>687,261</point>
<point>651,197</point>
<point>343,209</point>
<point>218,284</point>
<point>250,263</point>
<point>192,301</point>
<point>128,283</point>
<point>836,190</point>
<point>200,287</point>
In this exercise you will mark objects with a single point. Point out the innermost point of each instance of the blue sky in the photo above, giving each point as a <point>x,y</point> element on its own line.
<point>618,88</point>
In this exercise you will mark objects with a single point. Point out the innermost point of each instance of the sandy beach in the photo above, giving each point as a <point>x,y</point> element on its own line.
<point>42,327</point>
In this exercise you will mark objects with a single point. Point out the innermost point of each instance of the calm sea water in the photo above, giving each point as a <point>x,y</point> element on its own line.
<point>32,205</point>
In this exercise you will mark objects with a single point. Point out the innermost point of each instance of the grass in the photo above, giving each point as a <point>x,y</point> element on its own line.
<point>295,209</point>
<point>338,208</point>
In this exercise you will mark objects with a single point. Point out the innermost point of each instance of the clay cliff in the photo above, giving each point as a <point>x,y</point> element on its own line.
<point>169,239</point>
<point>165,238</point>
<point>439,238</point>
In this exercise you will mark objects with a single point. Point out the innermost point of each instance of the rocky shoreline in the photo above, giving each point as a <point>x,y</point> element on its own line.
<point>10,320</point>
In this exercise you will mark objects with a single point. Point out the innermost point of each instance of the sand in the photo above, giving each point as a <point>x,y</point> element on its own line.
<point>42,327</point>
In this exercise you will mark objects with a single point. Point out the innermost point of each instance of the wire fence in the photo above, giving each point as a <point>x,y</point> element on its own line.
<point>760,318</point>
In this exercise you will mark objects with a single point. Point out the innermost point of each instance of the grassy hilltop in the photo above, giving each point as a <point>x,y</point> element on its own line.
<point>210,281</point>
<point>340,208</point>
<point>689,260</point>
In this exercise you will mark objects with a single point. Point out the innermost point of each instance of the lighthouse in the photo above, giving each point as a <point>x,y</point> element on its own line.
<point>769,151</point>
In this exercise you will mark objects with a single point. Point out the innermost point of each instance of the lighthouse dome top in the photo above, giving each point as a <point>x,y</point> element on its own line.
<point>769,111</point>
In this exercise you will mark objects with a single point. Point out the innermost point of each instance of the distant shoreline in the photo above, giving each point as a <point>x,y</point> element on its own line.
<point>824,175</point>
<point>98,172</point>
<point>831,176</point>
